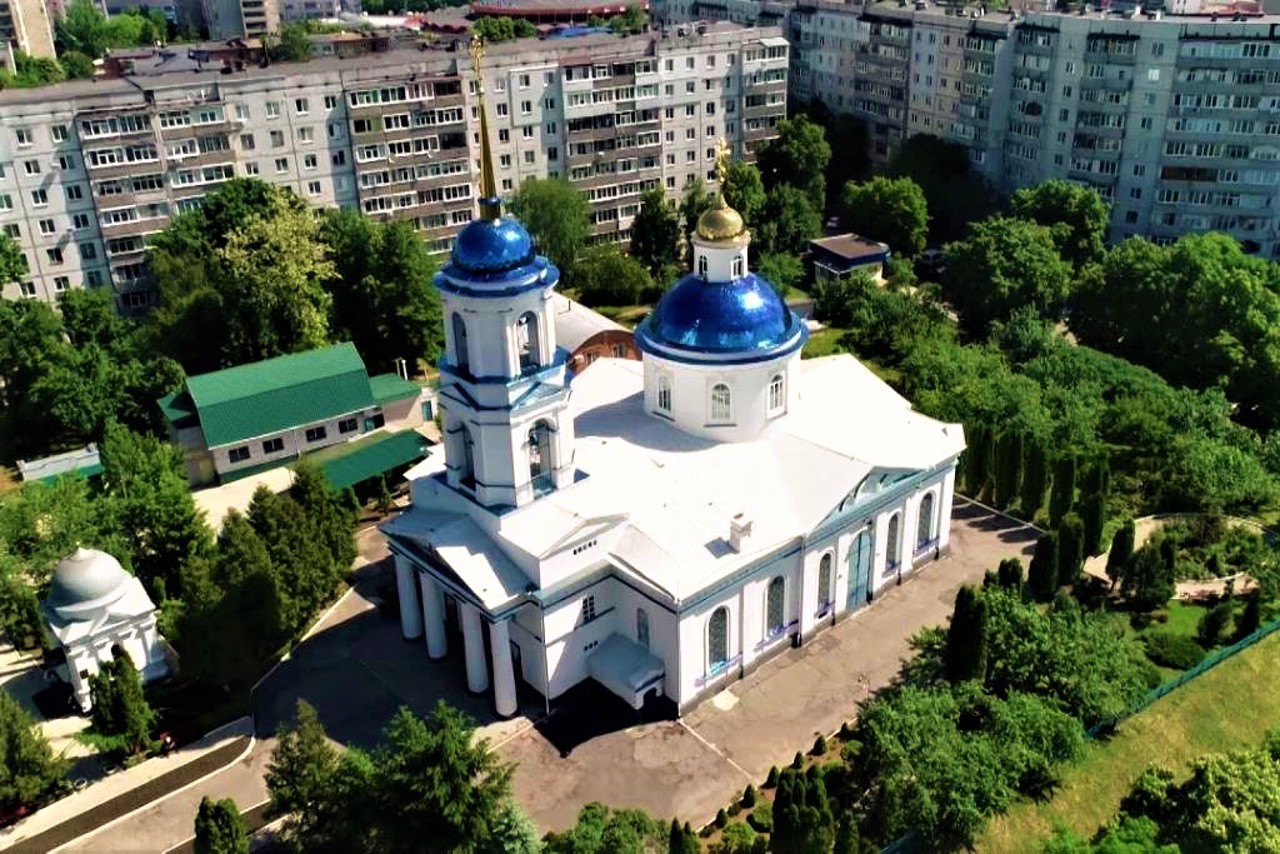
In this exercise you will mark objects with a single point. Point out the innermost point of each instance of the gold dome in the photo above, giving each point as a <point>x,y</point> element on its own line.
<point>720,223</point>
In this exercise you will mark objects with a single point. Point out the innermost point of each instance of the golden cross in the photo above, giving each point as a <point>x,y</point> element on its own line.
<point>477,54</point>
<point>722,160</point>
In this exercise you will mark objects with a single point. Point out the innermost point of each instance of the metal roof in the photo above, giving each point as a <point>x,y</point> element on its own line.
<point>375,455</point>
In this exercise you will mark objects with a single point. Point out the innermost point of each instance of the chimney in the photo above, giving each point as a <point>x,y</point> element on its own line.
<point>739,532</point>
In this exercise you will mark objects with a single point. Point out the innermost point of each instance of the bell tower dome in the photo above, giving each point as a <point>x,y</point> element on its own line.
<point>503,393</point>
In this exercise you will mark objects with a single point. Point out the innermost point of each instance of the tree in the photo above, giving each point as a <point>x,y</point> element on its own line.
<point>294,46</point>
<point>976,463</point>
<point>1250,619</point>
<point>1075,214</point>
<point>781,270</point>
<point>502,29</point>
<point>13,261</point>
<point>739,838</point>
<point>1071,552</point>
<point>632,21</point>
<point>956,197</point>
<point>384,299</point>
<point>802,817</point>
<point>77,65</point>
<point>966,655</point>
<point>788,223</point>
<point>82,28</point>
<point>694,202</point>
<point>300,775</point>
<point>797,157</point>
<point>681,840</point>
<point>601,830</point>
<point>1042,576</point>
<point>1093,515</point>
<point>1063,494</point>
<point>655,232</point>
<point>1214,624</point>
<point>558,217</point>
<point>1003,265</point>
<point>1122,544</point>
<point>1148,578</point>
<point>219,829</point>
<point>512,832</point>
<point>1008,474</point>
<point>891,210</point>
<point>606,276</point>
<point>744,191</point>
<point>119,706</point>
<point>29,771</point>
<point>1035,477</point>
<point>1009,574</point>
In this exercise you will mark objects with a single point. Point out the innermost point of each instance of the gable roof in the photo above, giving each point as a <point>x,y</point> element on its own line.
<point>267,397</point>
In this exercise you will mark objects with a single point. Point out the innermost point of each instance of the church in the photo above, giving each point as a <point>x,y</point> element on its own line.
<point>661,526</point>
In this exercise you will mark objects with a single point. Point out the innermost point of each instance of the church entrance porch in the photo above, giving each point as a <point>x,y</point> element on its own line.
<point>627,669</point>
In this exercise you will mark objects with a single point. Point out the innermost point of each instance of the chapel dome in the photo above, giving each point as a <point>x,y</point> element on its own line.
<point>489,246</point>
<point>739,320</point>
<point>84,583</point>
<point>721,223</point>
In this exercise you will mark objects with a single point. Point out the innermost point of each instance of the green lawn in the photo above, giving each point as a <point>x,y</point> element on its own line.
<point>1230,706</point>
<point>824,342</point>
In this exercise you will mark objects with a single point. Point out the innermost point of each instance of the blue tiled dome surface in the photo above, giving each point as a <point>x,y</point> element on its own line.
<point>485,247</point>
<point>743,316</point>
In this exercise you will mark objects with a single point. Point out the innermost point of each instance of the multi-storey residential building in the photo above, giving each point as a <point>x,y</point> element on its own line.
<point>231,19</point>
<point>25,27</point>
<point>89,169</point>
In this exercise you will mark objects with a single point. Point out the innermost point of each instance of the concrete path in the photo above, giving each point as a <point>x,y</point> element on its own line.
<point>691,768</point>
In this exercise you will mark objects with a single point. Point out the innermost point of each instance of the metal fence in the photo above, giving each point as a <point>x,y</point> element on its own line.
<point>1210,661</point>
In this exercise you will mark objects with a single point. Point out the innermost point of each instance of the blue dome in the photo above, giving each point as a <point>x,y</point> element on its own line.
<point>485,247</point>
<point>741,320</point>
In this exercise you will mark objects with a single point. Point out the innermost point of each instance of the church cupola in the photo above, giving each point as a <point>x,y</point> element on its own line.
<point>503,392</point>
<point>719,346</point>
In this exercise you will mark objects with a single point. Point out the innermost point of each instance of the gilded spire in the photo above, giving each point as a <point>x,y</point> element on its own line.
<point>721,222</point>
<point>490,204</point>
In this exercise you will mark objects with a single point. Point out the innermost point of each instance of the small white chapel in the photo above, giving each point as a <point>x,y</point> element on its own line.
<point>659,526</point>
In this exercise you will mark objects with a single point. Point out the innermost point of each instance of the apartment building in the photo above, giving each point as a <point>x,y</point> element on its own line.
<point>89,169</point>
<point>232,19</point>
<point>25,27</point>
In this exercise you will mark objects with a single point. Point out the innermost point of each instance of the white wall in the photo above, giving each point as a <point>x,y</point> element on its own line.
<point>295,442</point>
<point>691,395</point>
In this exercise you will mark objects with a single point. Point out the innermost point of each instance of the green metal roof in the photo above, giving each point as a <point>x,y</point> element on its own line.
<point>389,387</point>
<point>366,458</point>
<point>277,394</point>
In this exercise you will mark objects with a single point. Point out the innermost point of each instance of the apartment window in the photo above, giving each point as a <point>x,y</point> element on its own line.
<point>282,164</point>
<point>66,162</point>
<point>238,455</point>
<point>277,138</point>
<point>54,255</point>
<point>504,135</point>
<point>242,112</point>
<point>504,161</point>
<point>28,289</point>
<point>339,158</point>
<point>507,186</point>
<point>1145,123</point>
<point>330,101</point>
<point>348,425</point>
<point>39,198</point>
<point>47,226</point>
<point>1135,192</point>
<point>273,109</point>
<point>13,230</point>
<point>526,133</point>
<point>526,107</point>
<point>301,107</point>
<point>315,434</point>
<point>59,133</point>
<point>528,158</point>
<point>251,169</point>
<point>1064,114</point>
<point>524,81</point>
<point>589,609</point>
<point>1157,49</point>
<point>273,446</point>
<point>32,167</point>
<point>88,251</point>
<point>553,153</point>
<point>549,103</point>
<point>93,278</point>
<point>1139,169</point>
<point>246,141</point>
<point>74,192</point>
<point>313,188</point>
<point>551,131</point>
<point>1130,217</point>
<point>690,87</point>
<point>24,137</point>
<point>61,283</point>
<point>6,202</point>
<point>1153,74</point>
<point>502,110</point>
<point>306,136</point>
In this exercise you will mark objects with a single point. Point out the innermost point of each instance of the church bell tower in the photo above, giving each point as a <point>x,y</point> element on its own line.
<point>503,393</point>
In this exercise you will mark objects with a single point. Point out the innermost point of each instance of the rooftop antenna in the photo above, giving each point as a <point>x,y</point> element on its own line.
<point>490,203</point>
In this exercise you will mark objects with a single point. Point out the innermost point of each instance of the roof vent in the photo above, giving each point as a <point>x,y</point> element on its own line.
<point>739,532</point>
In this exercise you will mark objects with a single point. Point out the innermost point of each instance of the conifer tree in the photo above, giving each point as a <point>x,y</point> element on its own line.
<point>1093,515</point>
<point>219,829</point>
<point>1042,577</point>
<point>1009,574</point>
<point>29,770</point>
<point>1122,543</point>
<point>1070,549</point>
<point>802,817</point>
<point>966,651</point>
<point>119,705</point>
<point>1008,475</point>
<point>1035,477</point>
<point>1250,618</point>
<point>1097,478</point>
<point>977,459</point>
<point>1063,494</point>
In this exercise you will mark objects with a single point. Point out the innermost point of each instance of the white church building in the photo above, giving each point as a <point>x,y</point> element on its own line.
<point>659,526</point>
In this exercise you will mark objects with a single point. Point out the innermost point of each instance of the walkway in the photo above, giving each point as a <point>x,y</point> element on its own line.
<point>1144,528</point>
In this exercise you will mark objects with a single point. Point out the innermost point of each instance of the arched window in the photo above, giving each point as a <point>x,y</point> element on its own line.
<point>467,465</point>
<point>462,357</point>
<point>824,581</point>
<point>702,265</point>
<point>664,393</point>
<point>721,403</point>
<point>718,640</point>
<point>642,627</point>
<point>924,530</point>
<point>891,543</point>
<point>738,267</point>
<point>527,341</point>
<point>540,458</point>
<point>777,394</point>
<point>775,607</point>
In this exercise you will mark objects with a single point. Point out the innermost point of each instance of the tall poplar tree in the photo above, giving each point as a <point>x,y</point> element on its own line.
<point>1042,576</point>
<point>1070,549</point>
<point>1008,475</point>
<point>966,652</point>
<point>1063,494</point>
<point>1122,544</point>
<point>1035,477</point>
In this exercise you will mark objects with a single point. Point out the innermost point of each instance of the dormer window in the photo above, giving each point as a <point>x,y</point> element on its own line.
<point>702,266</point>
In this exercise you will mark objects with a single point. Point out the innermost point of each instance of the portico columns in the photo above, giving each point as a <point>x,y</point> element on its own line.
<point>410,615</point>
<point>473,640</point>
<point>504,678</point>
<point>433,616</point>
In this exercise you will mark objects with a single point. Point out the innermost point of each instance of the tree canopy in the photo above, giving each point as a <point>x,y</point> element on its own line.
<point>891,210</point>
<point>558,217</point>
<point>798,157</point>
<point>1075,215</point>
<point>655,233</point>
<point>29,771</point>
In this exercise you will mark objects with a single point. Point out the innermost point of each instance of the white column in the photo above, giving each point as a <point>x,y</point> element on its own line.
<point>410,615</point>
<point>504,676</point>
<point>433,616</point>
<point>473,640</point>
<point>947,495</point>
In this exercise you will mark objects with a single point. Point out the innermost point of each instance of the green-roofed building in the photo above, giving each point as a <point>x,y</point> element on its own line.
<point>245,419</point>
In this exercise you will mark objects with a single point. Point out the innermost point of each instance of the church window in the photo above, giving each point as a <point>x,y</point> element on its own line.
<point>824,581</point>
<point>891,540</point>
<point>467,465</point>
<point>589,609</point>
<point>737,267</point>
<point>775,608</point>
<point>664,393</point>
<point>527,340</point>
<point>702,265</point>
<point>461,356</point>
<point>721,403</point>
<point>642,627</point>
<point>718,640</point>
<point>924,532</point>
<point>540,458</point>
<point>777,394</point>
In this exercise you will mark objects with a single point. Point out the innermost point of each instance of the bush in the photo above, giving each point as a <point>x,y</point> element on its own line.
<point>749,796</point>
<point>798,762</point>
<point>1172,650</point>
<point>846,732</point>
<point>761,817</point>
<point>820,746</point>
<point>735,809</point>
<point>722,818</point>
<point>771,781</point>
